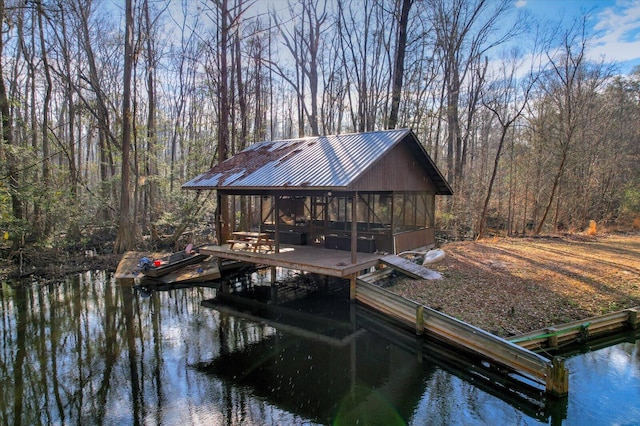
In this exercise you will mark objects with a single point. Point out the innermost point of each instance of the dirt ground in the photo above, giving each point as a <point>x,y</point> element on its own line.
<point>512,285</point>
<point>53,265</point>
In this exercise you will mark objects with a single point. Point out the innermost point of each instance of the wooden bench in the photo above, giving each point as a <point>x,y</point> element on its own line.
<point>253,242</point>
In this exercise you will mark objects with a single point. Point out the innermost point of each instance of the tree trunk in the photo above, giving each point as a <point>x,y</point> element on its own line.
<point>152,154</point>
<point>99,111</point>
<point>554,188</point>
<point>73,230</point>
<point>494,172</point>
<point>223,115</point>
<point>46,103</point>
<point>126,227</point>
<point>7,139</point>
<point>244,121</point>
<point>398,71</point>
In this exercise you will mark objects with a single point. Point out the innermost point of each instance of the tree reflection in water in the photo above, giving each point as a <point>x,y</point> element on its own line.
<point>91,350</point>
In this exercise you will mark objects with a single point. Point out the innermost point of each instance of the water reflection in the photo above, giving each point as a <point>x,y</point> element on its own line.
<point>94,351</point>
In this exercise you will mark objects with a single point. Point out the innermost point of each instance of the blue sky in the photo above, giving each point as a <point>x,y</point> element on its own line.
<point>615,25</point>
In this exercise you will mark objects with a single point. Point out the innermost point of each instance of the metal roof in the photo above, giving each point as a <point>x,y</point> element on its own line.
<point>320,162</point>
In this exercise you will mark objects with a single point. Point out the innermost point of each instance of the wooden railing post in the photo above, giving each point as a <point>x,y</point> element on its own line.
<point>352,287</point>
<point>552,340</point>
<point>557,377</point>
<point>419,320</point>
<point>632,320</point>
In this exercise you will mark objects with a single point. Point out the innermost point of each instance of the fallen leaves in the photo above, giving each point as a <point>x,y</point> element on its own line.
<point>509,286</point>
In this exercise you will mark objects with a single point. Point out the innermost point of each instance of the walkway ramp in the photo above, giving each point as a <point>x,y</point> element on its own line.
<point>409,268</point>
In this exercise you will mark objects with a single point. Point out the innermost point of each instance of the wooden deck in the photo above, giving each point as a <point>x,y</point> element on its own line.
<point>334,263</point>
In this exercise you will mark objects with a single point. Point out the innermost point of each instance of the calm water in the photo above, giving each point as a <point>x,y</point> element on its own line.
<point>94,351</point>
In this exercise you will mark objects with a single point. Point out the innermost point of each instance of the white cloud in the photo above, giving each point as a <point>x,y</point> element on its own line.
<point>618,32</point>
<point>521,3</point>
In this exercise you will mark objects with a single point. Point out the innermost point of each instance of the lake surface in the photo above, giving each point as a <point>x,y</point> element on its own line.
<point>91,350</point>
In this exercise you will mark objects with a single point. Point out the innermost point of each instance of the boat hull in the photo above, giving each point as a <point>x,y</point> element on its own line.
<point>173,263</point>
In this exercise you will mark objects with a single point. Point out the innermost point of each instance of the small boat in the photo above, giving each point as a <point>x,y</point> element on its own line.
<point>208,270</point>
<point>158,267</point>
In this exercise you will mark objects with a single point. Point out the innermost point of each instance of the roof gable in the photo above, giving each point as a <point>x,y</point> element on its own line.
<point>322,162</point>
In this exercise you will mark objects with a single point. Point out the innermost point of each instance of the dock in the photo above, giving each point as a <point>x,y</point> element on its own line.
<point>518,353</point>
<point>333,263</point>
<point>361,272</point>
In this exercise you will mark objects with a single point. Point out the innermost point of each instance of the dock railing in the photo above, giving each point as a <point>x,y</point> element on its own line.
<point>560,335</point>
<point>549,372</point>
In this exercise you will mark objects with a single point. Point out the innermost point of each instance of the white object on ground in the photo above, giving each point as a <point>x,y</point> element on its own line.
<point>433,256</point>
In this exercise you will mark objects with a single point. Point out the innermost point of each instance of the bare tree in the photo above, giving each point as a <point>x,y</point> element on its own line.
<point>183,59</point>
<point>464,33</point>
<point>67,75</point>
<point>570,85</point>
<point>98,104</point>
<point>366,31</point>
<point>334,81</point>
<point>151,159</point>
<point>304,43</point>
<point>225,21</point>
<point>507,102</point>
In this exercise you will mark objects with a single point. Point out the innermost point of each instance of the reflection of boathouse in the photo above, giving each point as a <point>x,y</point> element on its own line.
<point>363,192</point>
<point>332,362</point>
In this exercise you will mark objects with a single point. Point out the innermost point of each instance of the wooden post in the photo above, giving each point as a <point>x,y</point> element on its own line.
<point>557,377</point>
<point>352,287</point>
<point>552,340</point>
<point>632,320</point>
<point>232,218</point>
<point>276,219</point>
<point>274,287</point>
<point>218,218</point>
<point>354,228</point>
<point>419,320</point>
<point>393,224</point>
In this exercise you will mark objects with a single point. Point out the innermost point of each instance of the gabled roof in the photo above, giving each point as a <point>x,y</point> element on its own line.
<point>321,162</point>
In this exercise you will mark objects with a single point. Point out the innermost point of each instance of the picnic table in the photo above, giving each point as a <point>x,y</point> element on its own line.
<point>253,240</point>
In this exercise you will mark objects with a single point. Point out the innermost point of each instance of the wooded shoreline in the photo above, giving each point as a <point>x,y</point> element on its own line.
<point>107,111</point>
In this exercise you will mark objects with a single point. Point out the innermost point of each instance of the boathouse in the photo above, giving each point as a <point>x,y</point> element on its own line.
<point>365,192</point>
<point>372,194</point>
